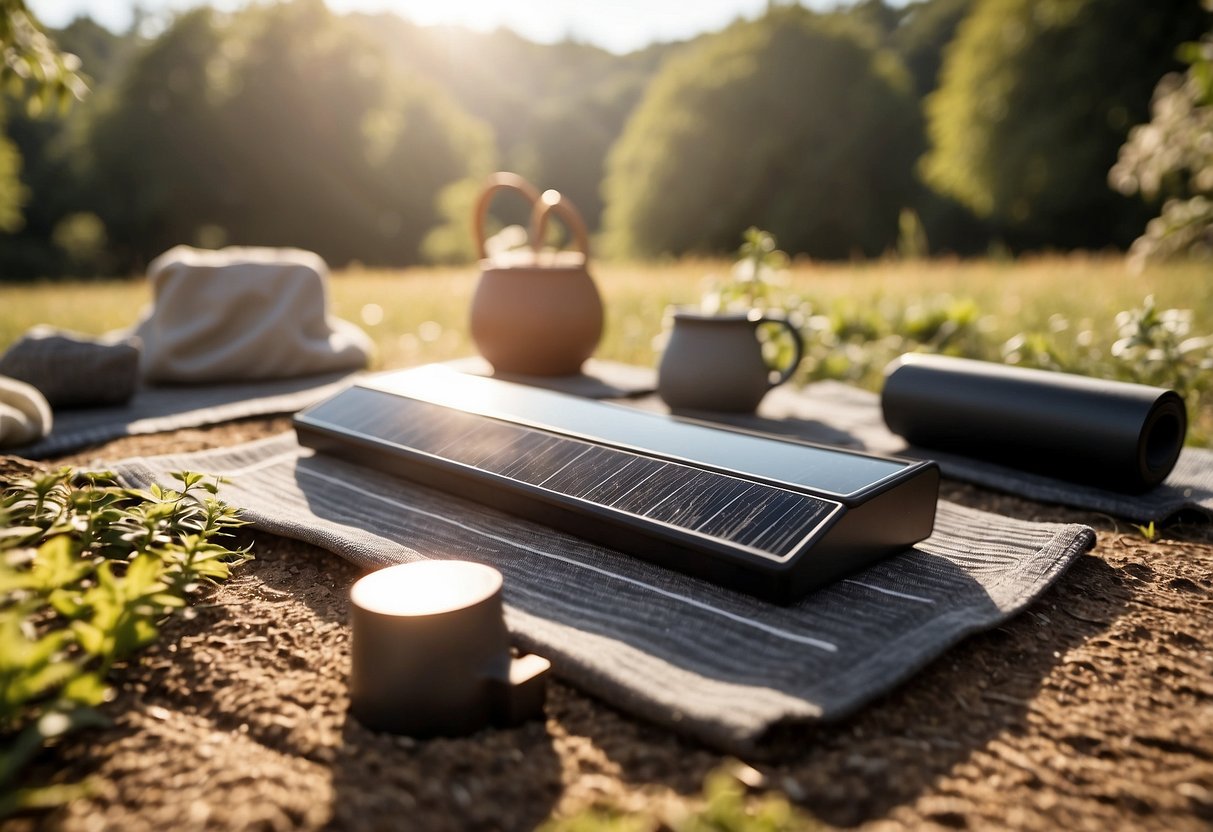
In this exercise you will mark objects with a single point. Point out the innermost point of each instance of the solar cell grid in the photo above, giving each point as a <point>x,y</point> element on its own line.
<point>763,517</point>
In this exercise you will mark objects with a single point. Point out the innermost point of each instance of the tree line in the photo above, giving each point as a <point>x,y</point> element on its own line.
<point>970,123</point>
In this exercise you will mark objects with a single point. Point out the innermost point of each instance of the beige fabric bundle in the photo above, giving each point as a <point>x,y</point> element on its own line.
<point>25,415</point>
<point>243,314</point>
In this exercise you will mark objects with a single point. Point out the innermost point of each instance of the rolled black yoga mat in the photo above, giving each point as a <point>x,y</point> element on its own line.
<point>1111,434</point>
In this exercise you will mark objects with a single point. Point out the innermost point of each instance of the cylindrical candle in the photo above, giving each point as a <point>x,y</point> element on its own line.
<point>1112,434</point>
<point>430,653</point>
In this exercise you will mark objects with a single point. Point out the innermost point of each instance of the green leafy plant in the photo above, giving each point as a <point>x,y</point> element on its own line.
<point>89,570</point>
<point>1153,346</point>
<point>723,807</point>
<point>853,340</point>
<point>754,283</point>
<point>850,341</point>
<point>1157,346</point>
<point>759,269</point>
<point>1171,157</point>
<point>1148,531</point>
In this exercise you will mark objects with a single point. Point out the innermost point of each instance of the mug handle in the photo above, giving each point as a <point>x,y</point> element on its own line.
<point>516,692</point>
<point>797,344</point>
<point>495,183</point>
<point>553,202</point>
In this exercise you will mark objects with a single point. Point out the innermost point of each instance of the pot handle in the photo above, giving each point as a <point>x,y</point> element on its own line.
<point>495,183</point>
<point>797,345</point>
<point>553,202</point>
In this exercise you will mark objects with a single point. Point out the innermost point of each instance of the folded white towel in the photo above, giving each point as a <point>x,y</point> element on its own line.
<point>243,313</point>
<point>25,415</point>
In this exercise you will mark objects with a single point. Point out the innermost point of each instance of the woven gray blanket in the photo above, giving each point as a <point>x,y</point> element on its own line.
<point>723,667</point>
<point>839,414</point>
<point>826,412</point>
<point>168,408</point>
<point>160,409</point>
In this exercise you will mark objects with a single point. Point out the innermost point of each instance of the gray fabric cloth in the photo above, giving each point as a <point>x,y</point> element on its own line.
<point>720,666</point>
<point>73,370</point>
<point>833,413</point>
<point>827,412</point>
<point>161,409</point>
<point>156,409</point>
<point>841,414</point>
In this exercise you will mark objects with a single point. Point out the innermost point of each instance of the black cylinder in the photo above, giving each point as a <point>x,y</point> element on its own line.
<point>1111,434</point>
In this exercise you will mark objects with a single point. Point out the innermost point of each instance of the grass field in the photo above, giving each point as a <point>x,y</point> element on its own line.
<point>856,316</point>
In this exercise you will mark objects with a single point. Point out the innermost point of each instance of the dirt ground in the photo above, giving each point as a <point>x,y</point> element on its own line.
<point>1092,710</point>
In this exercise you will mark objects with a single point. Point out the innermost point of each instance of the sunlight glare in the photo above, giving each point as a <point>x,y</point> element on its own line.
<point>426,587</point>
<point>621,26</point>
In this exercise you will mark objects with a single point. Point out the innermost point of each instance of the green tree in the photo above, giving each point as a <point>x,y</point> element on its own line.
<point>794,123</point>
<point>1172,156</point>
<point>925,29</point>
<point>934,221</point>
<point>53,155</point>
<point>30,63</point>
<point>158,167</point>
<point>12,194</point>
<point>555,110</point>
<point>33,69</point>
<point>332,148</point>
<point>1036,97</point>
<point>279,126</point>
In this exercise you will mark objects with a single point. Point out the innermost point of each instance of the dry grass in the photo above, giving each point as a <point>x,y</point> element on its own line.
<point>419,315</point>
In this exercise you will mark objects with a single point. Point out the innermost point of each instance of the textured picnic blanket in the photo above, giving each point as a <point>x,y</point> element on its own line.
<point>163,408</point>
<point>160,409</point>
<point>723,667</point>
<point>826,412</point>
<point>839,414</point>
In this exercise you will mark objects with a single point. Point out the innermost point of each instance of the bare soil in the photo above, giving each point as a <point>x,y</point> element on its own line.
<point>1092,710</point>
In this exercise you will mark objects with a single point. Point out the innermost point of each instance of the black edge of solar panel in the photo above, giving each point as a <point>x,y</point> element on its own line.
<point>632,502</point>
<point>807,547</point>
<point>617,531</point>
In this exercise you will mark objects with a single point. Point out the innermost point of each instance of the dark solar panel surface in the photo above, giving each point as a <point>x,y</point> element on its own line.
<point>819,469</point>
<point>755,515</point>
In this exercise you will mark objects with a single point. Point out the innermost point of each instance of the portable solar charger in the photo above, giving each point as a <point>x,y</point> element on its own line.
<point>769,516</point>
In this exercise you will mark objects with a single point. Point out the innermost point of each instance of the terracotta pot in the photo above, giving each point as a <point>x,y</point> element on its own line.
<point>714,362</point>
<point>535,312</point>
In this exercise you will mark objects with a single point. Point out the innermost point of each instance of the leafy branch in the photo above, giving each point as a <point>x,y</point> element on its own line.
<point>1171,157</point>
<point>30,62</point>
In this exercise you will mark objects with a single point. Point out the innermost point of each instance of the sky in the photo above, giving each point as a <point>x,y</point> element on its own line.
<point>617,25</point>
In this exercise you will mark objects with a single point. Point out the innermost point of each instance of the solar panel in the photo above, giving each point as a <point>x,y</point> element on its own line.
<point>763,515</point>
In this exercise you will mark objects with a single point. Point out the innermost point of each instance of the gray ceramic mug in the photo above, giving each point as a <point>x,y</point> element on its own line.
<point>431,653</point>
<point>714,362</point>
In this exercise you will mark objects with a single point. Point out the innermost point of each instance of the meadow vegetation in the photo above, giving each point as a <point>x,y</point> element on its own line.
<point>365,137</point>
<point>1058,312</point>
